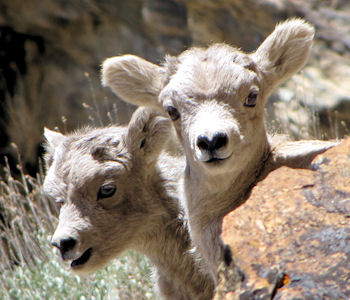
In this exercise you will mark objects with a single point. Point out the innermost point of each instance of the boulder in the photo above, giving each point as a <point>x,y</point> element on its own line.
<point>291,238</point>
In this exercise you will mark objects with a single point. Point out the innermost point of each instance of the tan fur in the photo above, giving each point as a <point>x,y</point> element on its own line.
<point>144,213</point>
<point>209,88</point>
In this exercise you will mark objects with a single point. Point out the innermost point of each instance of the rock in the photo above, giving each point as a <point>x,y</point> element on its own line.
<point>291,238</point>
<point>50,56</point>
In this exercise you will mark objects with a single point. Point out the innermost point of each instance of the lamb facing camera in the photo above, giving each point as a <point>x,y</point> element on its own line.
<point>215,97</point>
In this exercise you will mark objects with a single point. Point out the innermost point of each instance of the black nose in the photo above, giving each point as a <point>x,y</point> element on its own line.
<point>219,140</point>
<point>65,245</point>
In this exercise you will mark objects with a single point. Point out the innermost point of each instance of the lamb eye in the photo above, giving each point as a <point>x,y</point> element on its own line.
<point>251,99</point>
<point>106,191</point>
<point>173,113</point>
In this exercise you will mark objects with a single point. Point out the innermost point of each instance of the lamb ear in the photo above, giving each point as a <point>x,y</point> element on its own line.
<point>53,138</point>
<point>297,154</point>
<point>132,78</point>
<point>285,51</point>
<point>147,135</point>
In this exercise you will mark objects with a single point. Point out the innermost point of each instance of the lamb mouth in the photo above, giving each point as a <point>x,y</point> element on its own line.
<point>82,259</point>
<point>216,160</point>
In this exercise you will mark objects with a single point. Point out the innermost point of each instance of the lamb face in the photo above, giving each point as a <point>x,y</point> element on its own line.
<point>215,95</point>
<point>216,101</point>
<point>98,178</point>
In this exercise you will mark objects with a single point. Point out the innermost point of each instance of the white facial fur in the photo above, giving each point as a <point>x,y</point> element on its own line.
<point>212,106</point>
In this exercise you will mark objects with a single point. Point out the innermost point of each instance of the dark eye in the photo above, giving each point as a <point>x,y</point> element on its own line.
<point>173,113</point>
<point>251,100</point>
<point>106,191</point>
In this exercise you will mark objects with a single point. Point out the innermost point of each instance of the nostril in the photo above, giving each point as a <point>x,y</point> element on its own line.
<point>67,244</point>
<point>220,140</point>
<point>203,142</point>
<point>55,245</point>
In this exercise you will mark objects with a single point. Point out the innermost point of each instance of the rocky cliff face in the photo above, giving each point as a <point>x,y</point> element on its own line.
<point>50,58</point>
<point>50,53</point>
<point>291,238</point>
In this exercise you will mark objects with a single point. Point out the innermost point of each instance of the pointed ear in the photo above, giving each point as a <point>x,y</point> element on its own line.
<point>53,140</point>
<point>298,154</point>
<point>134,79</point>
<point>285,51</point>
<point>148,132</point>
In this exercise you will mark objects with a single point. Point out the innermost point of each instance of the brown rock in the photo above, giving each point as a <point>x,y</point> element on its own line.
<point>291,238</point>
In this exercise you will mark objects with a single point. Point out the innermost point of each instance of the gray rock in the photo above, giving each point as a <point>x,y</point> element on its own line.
<point>51,52</point>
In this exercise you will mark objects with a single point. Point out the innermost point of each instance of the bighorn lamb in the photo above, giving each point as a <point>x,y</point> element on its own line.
<point>116,192</point>
<point>215,97</point>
